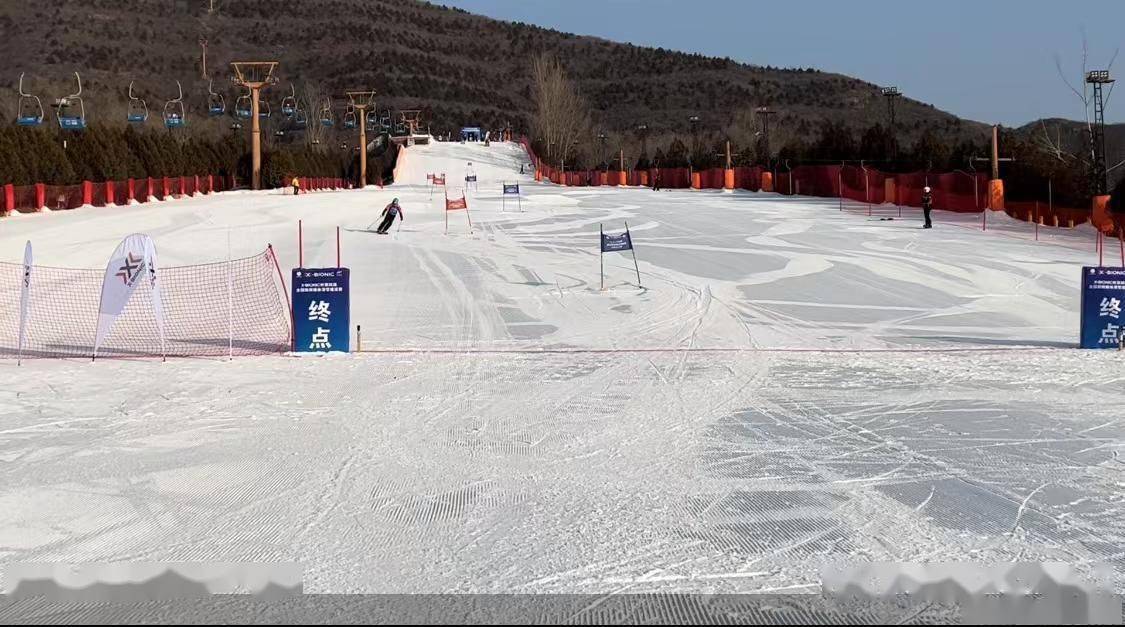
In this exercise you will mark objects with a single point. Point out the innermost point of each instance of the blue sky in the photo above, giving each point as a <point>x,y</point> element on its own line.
<point>986,60</point>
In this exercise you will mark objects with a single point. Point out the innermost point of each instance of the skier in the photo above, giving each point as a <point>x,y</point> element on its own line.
<point>296,185</point>
<point>927,206</point>
<point>389,213</point>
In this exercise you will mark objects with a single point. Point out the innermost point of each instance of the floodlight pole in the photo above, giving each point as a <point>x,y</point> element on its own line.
<point>892,94</point>
<point>1096,79</point>
<point>764,113</point>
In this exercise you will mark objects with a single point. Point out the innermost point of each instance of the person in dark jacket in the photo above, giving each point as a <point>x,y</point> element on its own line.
<point>389,213</point>
<point>927,207</point>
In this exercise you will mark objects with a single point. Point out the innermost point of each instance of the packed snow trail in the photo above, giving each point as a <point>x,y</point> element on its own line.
<point>622,460</point>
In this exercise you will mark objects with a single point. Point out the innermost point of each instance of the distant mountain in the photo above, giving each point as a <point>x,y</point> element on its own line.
<point>462,68</point>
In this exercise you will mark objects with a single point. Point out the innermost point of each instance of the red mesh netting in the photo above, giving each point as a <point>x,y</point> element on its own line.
<point>63,316</point>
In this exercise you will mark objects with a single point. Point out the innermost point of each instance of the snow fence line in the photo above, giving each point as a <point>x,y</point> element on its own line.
<point>41,196</point>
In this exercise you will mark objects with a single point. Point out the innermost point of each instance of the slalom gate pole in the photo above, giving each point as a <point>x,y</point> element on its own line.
<point>867,190</point>
<point>601,253</point>
<point>469,218</point>
<point>358,338</point>
<point>634,251</point>
<point>1037,220</point>
<point>840,186</point>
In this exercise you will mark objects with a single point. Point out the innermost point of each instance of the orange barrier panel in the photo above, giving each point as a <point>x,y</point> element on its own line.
<point>1100,216</point>
<point>996,195</point>
<point>767,182</point>
<point>728,178</point>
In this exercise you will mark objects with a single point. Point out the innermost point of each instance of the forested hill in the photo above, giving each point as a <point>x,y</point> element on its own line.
<point>463,68</point>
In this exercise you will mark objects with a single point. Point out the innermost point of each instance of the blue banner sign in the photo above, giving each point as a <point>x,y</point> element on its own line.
<point>511,188</point>
<point>321,313</point>
<point>471,178</point>
<point>1103,293</point>
<point>615,243</point>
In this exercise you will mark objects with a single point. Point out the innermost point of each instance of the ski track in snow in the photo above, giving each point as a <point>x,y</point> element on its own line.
<point>473,469</point>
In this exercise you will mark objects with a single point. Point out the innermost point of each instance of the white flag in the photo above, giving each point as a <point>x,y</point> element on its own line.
<point>126,268</point>
<point>154,285</point>
<point>25,298</point>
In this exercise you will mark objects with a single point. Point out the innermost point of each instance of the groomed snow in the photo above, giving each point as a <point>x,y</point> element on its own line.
<point>793,386</point>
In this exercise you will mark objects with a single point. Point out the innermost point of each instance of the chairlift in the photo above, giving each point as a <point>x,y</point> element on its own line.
<point>174,110</point>
<point>300,118</point>
<point>372,120</point>
<point>326,119</point>
<point>216,103</point>
<point>350,118</point>
<point>264,110</point>
<point>242,106</point>
<point>30,109</point>
<point>70,110</point>
<point>289,103</point>
<point>138,109</point>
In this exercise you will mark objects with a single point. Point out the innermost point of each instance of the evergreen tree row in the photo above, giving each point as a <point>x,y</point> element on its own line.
<point>105,153</point>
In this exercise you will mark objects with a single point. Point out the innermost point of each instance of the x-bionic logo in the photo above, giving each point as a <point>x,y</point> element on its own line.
<point>130,269</point>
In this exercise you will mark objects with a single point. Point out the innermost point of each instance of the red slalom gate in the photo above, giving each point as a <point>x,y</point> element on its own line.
<point>457,204</point>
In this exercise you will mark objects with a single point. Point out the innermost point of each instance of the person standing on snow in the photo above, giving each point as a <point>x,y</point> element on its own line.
<point>389,213</point>
<point>927,207</point>
<point>296,185</point>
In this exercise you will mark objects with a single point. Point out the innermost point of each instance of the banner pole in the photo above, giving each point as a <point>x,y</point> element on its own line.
<point>634,251</point>
<point>337,246</point>
<point>300,245</point>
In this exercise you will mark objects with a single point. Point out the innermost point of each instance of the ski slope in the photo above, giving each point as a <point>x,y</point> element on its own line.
<point>793,386</point>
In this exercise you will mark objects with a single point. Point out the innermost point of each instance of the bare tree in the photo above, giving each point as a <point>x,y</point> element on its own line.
<point>1085,96</point>
<point>313,98</point>
<point>561,115</point>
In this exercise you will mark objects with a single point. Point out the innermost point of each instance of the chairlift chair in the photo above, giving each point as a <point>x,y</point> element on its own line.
<point>289,103</point>
<point>264,110</point>
<point>30,109</point>
<point>71,111</point>
<point>243,106</point>
<point>216,103</point>
<point>174,110</point>
<point>372,120</point>
<point>300,118</point>
<point>350,118</point>
<point>326,119</point>
<point>138,109</point>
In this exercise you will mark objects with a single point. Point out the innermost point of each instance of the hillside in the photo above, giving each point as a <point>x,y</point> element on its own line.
<point>463,68</point>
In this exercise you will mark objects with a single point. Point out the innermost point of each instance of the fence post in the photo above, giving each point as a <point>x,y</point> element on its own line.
<point>109,193</point>
<point>9,198</point>
<point>40,196</point>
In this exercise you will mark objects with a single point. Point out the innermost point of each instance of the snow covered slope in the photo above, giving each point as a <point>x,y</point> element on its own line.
<point>725,427</point>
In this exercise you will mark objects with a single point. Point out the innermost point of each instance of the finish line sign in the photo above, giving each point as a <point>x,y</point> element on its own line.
<point>1103,296</point>
<point>321,313</point>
